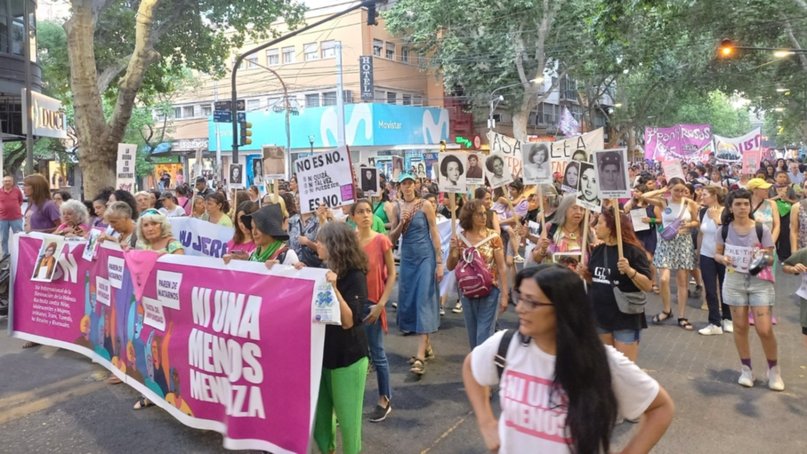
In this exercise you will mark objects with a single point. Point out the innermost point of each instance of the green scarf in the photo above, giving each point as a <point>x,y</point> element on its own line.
<point>264,255</point>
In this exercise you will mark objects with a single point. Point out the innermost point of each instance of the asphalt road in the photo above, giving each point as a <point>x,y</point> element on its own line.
<point>54,401</point>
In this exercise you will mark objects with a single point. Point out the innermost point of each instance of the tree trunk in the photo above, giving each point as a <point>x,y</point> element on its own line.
<point>98,139</point>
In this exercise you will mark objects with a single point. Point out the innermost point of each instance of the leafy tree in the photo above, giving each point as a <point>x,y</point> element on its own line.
<point>121,50</point>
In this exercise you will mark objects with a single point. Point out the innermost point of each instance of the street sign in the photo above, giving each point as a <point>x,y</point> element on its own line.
<point>223,116</point>
<point>227,105</point>
<point>242,116</point>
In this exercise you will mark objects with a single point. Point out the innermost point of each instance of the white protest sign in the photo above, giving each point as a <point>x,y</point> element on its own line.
<point>588,195</point>
<point>577,148</point>
<point>125,175</point>
<point>325,178</point>
<point>636,217</point>
<point>496,170</point>
<point>509,149</point>
<point>672,169</point>
<point>535,163</point>
<point>452,172</point>
<point>115,271</point>
<point>612,173</point>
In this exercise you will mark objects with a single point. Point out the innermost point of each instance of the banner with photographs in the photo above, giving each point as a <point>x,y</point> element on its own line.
<point>612,173</point>
<point>452,172</point>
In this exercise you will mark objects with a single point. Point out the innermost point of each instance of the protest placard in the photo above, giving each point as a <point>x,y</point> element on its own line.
<point>325,178</point>
<point>274,163</point>
<point>452,172</point>
<point>497,171</point>
<point>588,188</point>
<point>125,175</point>
<point>672,169</point>
<point>537,169</point>
<point>637,218</point>
<point>236,176</point>
<point>509,151</point>
<point>474,174</point>
<point>612,173</point>
<point>751,161</point>
<point>368,180</point>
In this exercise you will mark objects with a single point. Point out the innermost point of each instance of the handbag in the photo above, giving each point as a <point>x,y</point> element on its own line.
<point>628,302</point>
<point>669,232</point>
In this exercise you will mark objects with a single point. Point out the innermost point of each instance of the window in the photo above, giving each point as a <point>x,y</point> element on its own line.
<point>390,51</point>
<point>288,54</point>
<point>407,100</point>
<point>391,97</point>
<point>187,112</point>
<point>312,100</point>
<point>380,95</point>
<point>177,113</point>
<point>417,100</point>
<point>207,110</point>
<point>272,57</point>
<point>250,62</point>
<point>253,105</point>
<point>329,98</point>
<point>377,46</point>
<point>405,54</point>
<point>276,104</point>
<point>328,49</point>
<point>310,51</point>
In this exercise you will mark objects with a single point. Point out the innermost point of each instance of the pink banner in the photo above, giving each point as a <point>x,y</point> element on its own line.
<point>685,142</point>
<point>231,349</point>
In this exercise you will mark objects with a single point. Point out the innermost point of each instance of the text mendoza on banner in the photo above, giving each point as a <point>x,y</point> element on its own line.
<point>325,178</point>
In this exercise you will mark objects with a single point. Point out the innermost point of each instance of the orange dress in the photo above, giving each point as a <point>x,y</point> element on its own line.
<point>377,271</point>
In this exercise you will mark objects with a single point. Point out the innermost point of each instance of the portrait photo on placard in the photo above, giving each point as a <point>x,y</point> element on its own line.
<point>535,163</point>
<point>474,173</point>
<point>257,171</point>
<point>397,167</point>
<point>452,172</point>
<point>236,176</point>
<point>612,173</point>
<point>580,155</point>
<point>274,163</point>
<point>497,171</point>
<point>588,189</point>
<point>571,177</point>
<point>368,181</point>
<point>48,258</point>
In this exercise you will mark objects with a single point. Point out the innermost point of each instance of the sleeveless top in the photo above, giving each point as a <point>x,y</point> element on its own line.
<point>670,213</point>
<point>802,225</point>
<point>764,214</point>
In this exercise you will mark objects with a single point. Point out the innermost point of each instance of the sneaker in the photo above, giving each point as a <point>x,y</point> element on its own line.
<point>395,305</point>
<point>746,377</point>
<point>710,330</point>
<point>728,326</point>
<point>457,308</point>
<point>442,311</point>
<point>380,413</point>
<point>518,259</point>
<point>775,379</point>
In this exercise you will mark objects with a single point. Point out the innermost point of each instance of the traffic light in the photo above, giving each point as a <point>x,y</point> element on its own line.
<point>372,14</point>
<point>727,49</point>
<point>246,132</point>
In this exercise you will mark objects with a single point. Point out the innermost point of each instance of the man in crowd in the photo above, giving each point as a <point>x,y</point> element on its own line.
<point>10,211</point>
<point>201,187</point>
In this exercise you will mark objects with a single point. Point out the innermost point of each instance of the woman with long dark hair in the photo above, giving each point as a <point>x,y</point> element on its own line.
<point>574,386</point>
<point>242,245</point>
<point>126,197</point>
<point>713,273</point>
<point>344,360</point>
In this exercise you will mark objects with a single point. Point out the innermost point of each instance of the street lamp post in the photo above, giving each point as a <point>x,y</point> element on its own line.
<point>495,100</point>
<point>311,143</point>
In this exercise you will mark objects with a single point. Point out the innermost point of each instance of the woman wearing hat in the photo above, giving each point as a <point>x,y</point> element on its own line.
<point>421,268</point>
<point>270,239</point>
<point>170,208</point>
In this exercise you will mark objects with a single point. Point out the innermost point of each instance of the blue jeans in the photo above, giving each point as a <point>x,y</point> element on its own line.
<point>480,316</point>
<point>713,276</point>
<point>375,339</point>
<point>13,225</point>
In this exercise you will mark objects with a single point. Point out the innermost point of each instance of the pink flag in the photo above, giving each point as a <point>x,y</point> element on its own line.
<point>140,264</point>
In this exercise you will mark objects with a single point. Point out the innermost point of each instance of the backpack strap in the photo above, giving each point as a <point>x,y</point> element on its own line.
<point>468,243</point>
<point>277,255</point>
<point>501,355</point>
<point>758,227</point>
<point>702,213</point>
<point>724,231</point>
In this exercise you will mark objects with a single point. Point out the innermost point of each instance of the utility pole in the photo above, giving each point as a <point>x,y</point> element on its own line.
<point>218,135</point>
<point>340,98</point>
<point>29,101</point>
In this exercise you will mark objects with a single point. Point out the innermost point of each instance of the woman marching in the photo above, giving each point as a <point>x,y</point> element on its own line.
<point>713,272</point>
<point>631,273</point>
<point>381,277</point>
<point>740,241</point>
<point>584,384</point>
<point>652,217</point>
<point>564,232</point>
<point>675,250</point>
<point>421,268</point>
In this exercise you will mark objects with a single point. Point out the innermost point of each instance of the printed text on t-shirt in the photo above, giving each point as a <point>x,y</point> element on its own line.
<point>532,407</point>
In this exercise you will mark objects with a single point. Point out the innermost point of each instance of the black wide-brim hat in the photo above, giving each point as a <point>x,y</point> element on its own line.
<point>269,220</point>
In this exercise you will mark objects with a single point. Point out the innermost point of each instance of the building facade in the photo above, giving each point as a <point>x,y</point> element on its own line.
<point>12,64</point>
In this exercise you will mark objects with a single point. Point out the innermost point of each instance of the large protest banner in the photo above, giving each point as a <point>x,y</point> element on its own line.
<point>560,152</point>
<point>231,348</point>
<point>325,178</point>
<point>200,237</point>
<point>125,171</point>
<point>509,148</point>
<point>686,142</point>
<point>731,149</point>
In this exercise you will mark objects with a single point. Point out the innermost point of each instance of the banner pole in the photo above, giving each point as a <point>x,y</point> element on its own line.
<point>541,209</point>
<point>615,206</point>
<point>452,206</point>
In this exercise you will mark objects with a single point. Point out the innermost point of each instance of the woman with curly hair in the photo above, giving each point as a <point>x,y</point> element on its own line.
<point>75,219</point>
<point>344,361</point>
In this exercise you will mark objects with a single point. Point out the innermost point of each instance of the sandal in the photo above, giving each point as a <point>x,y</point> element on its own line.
<point>142,403</point>
<point>684,323</point>
<point>429,356</point>
<point>418,367</point>
<point>661,317</point>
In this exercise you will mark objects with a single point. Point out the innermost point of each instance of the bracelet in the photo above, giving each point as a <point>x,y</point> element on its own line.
<point>635,272</point>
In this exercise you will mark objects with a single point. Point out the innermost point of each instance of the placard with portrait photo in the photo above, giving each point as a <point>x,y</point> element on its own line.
<point>571,177</point>
<point>536,166</point>
<point>474,173</point>
<point>236,180</point>
<point>48,258</point>
<point>274,163</point>
<point>368,181</point>
<point>452,167</point>
<point>612,173</point>
<point>497,171</point>
<point>257,171</point>
<point>588,189</point>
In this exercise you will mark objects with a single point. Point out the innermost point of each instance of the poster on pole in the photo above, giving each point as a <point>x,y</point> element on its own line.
<point>236,176</point>
<point>274,163</point>
<point>612,173</point>
<point>474,174</point>
<point>732,149</point>
<point>125,175</point>
<point>571,177</point>
<point>751,160</point>
<point>368,181</point>
<point>588,189</point>
<point>325,178</point>
<point>397,168</point>
<point>497,171</point>
<point>672,169</point>
<point>537,169</point>
<point>452,172</point>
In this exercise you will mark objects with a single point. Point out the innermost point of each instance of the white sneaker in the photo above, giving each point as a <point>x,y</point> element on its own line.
<point>710,330</point>
<point>457,308</point>
<point>728,326</point>
<point>518,259</point>
<point>775,379</point>
<point>746,377</point>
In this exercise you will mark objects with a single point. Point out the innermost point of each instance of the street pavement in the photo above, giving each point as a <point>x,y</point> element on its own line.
<point>54,401</point>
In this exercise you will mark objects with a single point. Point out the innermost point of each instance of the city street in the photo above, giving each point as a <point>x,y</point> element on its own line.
<point>57,401</point>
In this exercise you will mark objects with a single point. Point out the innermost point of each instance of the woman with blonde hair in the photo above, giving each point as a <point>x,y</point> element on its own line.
<point>154,233</point>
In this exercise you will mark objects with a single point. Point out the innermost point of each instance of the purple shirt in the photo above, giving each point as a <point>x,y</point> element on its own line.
<point>45,218</point>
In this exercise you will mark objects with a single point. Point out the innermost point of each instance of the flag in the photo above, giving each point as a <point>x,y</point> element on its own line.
<point>568,124</point>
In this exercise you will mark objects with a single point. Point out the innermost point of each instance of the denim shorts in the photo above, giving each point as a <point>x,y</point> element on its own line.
<point>741,289</point>
<point>623,336</point>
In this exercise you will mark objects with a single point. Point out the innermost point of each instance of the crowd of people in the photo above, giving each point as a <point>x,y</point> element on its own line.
<point>568,271</point>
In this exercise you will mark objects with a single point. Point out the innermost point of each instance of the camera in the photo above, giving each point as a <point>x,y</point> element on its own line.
<point>759,263</point>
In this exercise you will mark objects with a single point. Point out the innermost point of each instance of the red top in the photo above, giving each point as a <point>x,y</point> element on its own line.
<point>377,270</point>
<point>10,203</point>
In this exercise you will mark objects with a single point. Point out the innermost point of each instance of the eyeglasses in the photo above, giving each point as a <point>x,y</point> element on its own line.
<point>531,305</point>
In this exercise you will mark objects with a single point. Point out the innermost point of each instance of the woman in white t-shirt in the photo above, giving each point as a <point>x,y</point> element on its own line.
<point>713,272</point>
<point>737,248</point>
<point>555,350</point>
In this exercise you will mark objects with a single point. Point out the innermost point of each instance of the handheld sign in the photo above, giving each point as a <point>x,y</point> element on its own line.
<point>452,172</point>
<point>673,169</point>
<point>536,166</point>
<point>588,189</point>
<point>325,178</point>
<point>274,163</point>
<point>474,174</point>
<point>236,176</point>
<point>612,172</point>
<point>496,171</point>
<point>125,175</point>
<point>368,180</point>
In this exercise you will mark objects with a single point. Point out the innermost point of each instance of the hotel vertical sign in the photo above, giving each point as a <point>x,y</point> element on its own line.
<point>366,78</point>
